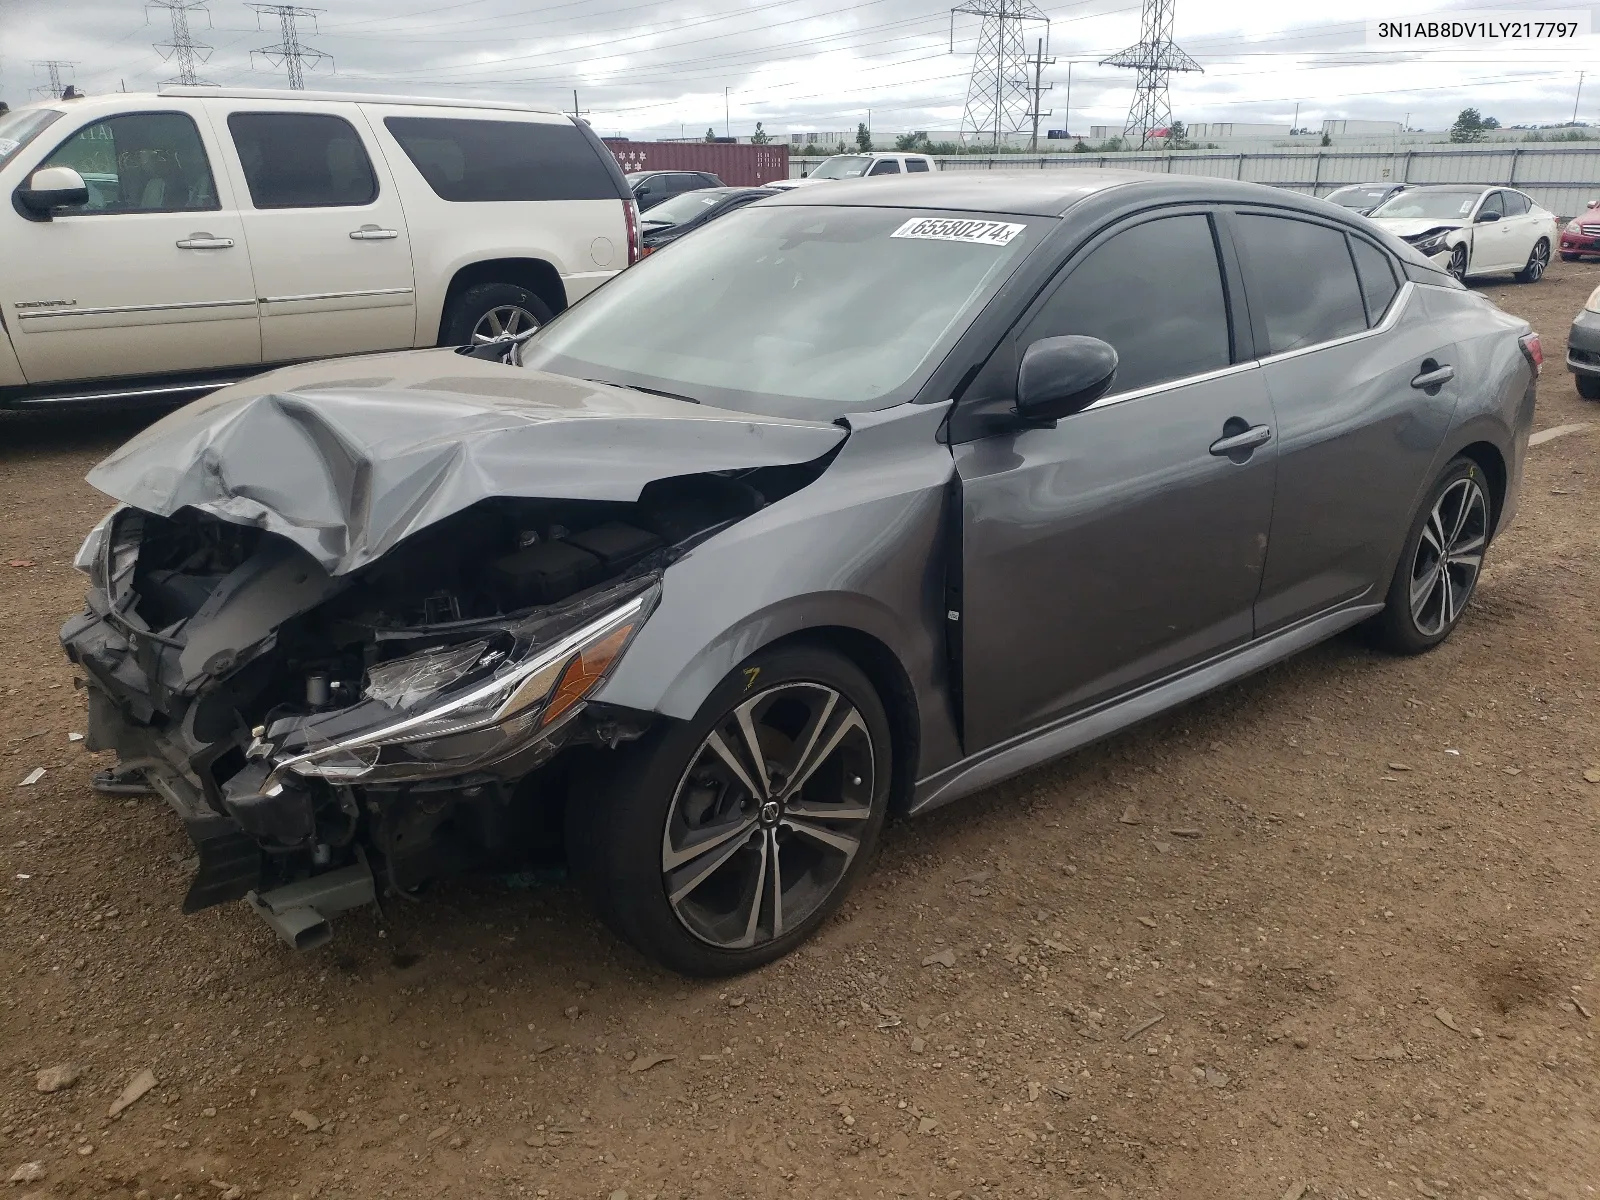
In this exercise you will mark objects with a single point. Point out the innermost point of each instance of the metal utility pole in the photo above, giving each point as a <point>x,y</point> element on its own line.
<point>727,115</point>
<point>1578,97</point>
<point>1155,56</point>
<point>182,49</point>
<point>577,113</point>
<point>291,52</point>
<point>998,90</point>
<point>1039,88</point>
<point>53,68</point>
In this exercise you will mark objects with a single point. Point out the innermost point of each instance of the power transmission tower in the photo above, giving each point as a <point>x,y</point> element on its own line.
<point>291,51</point>
<point>1040,62</point>
<point>998,91</point>
<point>53,67</point>
<point>182,49</point>
<point>1155,56</point>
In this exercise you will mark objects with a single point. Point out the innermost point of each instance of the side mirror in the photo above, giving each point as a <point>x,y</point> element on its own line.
<point>1063,375</point>
<point>51,188</point>
<point>1488,217</point>
<point>1594,204</point>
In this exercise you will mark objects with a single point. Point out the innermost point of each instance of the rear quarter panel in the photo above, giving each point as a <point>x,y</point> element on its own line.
<point>585,240</point>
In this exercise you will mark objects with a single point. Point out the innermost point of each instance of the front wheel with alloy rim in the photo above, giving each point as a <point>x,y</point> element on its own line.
<point>1458,263</point>
<point>1439,567</point>
<point>718,844</point>
<point>1538,263</point>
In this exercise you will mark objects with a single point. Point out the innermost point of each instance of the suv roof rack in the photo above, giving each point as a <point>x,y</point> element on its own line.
<point>232,93</point>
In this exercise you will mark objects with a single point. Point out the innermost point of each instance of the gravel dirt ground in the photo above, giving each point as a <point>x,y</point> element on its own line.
<point>1329,933</point>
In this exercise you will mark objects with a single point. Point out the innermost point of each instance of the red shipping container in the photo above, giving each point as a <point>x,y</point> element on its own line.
<point>736,164</point>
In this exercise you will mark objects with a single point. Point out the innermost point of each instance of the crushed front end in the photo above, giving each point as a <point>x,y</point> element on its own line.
<point>327,739</point>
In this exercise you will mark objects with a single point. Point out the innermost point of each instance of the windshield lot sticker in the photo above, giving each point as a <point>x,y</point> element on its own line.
<point>949,229</point>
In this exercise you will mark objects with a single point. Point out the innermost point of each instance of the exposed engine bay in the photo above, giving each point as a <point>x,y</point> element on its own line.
<point>327,737</point>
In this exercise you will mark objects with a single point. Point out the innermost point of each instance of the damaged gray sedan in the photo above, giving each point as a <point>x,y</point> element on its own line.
<point>858,501</point>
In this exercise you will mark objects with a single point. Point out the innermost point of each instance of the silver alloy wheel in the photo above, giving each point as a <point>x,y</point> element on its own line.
<point>1458,263</point>
<point>503,321</point>
<point>1449,557</point>
<point>1538,261</point>
<point>768,815</point>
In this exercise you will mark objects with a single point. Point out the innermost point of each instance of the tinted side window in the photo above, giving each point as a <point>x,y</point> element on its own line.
<point>1301,281</point>
<point>887,166</point>
<point>1493,204</point>
<point>916,164</point>
<point>1378,284</point>
<point>302,160</point>
<point>1516,203</point>
<point>142,162</point>
<point>477,161</point>
<point>1155,293</point>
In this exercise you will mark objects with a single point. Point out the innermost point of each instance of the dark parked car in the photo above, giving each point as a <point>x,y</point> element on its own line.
<point>650,188</point>
<point>688,211</point>
<point>1364,197</point>
<point>1583,348</point>
<point>862,499</point>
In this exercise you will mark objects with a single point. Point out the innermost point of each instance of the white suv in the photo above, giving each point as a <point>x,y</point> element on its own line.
<point>165,244</point>
<point>856,166</point>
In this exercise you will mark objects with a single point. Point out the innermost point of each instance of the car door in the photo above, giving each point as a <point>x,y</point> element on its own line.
<point>1523,228</point>
<point>1126,542</point>
<point>326,229</point>
<point>1360,376</point>
<point>151,276</point>
<point>1492,234</point>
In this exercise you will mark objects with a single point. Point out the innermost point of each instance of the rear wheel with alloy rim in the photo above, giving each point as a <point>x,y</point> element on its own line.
<point>718,844</point>
<point>486,312</point>
<point>1458,263</point>
<point>1441,562</point>
<point>1538,263</point>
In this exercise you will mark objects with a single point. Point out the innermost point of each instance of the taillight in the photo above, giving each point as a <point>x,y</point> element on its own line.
<point>1532,351</point>
<point>630,213</point>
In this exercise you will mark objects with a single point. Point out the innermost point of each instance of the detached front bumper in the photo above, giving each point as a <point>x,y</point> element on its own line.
<point>1583,344</point>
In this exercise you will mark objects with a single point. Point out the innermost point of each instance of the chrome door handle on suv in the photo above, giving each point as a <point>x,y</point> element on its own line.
<point>371,233</point>
<point>204,241</point>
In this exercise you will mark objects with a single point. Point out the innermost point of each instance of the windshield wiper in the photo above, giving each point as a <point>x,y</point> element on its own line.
<point>634,387</point>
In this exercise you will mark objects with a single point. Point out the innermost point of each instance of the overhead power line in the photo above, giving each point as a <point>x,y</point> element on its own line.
<point>182,49</point>
<point>1155,56</point>
<point>53,67</point>
<point>998,93</point>
<point>291,52</point>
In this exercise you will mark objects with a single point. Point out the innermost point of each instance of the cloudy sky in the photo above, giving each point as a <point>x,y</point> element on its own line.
<point>646,67</point>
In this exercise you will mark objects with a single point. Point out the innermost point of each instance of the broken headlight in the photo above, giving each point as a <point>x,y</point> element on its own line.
<point>461,708</point>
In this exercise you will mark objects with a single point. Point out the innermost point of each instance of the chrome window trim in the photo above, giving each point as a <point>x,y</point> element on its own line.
<point>336,295</point>
<point>132,308</point>
<point>1390,320</point>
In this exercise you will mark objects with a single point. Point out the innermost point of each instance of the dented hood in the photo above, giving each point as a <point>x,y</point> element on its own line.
<point>346,458</point>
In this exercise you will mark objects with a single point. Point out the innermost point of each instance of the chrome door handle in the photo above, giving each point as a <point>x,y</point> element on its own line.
<point>371,233</point>
<point>1256,435</point>
<point>1435,377</point>
<point>204,241</point>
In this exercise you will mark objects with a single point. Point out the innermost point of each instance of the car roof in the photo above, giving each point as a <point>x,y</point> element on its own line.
<point>133,101</point>
<point>1041,192</point>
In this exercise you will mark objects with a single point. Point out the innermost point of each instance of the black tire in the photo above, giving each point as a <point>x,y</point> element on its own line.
<point>1458,263</point>
<point>1588,386</point>
<point>1538,262</point>
<point>1565,257</point>
<point>1405,627</point>
<point>475,305</point>
<point>625,807</point>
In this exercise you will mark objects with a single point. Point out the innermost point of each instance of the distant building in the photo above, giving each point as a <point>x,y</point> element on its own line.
<point>1362,128</point>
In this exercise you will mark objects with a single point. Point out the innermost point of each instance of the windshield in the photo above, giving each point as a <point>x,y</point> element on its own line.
<point>685,206</point>
<point>800,311</point>
<point>19,128</point>
<point>1432,206</point>
<point>842,166</point>
<point>1358,197</point>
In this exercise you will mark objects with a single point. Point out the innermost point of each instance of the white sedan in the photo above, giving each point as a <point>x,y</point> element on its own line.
<point>1473,230</point>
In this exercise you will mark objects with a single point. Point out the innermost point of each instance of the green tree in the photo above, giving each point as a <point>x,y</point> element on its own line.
<point>759,137</point>
<point>1471,125</point>
<point>711,134</point>
<point>1326,140</point>
<point>863,138</point>
<point>1112,145</point>
<point>811,149</point>
<point>912,141</point>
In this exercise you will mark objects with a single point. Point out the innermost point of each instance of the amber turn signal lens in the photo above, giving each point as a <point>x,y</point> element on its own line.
<point>584,673</point>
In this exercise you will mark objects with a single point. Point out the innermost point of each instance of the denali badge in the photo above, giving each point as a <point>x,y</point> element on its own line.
<point>45,304</point>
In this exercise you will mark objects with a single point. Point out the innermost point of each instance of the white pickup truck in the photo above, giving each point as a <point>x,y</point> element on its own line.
<point>870,164</point>
<point>158,246</point>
